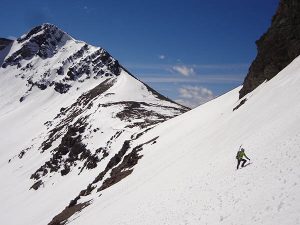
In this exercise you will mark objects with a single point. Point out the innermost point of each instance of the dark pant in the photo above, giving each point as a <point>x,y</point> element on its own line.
<point>239,162</point>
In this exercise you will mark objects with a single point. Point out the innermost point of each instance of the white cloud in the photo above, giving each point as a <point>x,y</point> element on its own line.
<point>187,66</point>
<point>184,70</point>
<point>162,57</point>
<point>204,79</point>
<point>193,96</point>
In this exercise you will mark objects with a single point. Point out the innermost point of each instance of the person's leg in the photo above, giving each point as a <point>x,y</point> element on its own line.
<point>238,164</point>
<point>244,162</point>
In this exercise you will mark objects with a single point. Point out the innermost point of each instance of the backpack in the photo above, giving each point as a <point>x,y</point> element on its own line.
<point>239,155</point>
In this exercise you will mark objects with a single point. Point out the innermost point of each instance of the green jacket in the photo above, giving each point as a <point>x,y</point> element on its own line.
<point>240,154</point>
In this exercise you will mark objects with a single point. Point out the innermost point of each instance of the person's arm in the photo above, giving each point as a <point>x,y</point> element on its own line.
<point>246,156</point>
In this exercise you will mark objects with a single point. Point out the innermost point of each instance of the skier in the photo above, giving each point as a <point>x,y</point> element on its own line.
<point>239,156</point>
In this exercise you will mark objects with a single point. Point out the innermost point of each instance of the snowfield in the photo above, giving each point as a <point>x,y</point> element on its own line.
<point>189,175</point>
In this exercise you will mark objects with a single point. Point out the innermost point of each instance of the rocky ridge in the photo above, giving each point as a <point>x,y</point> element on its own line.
<point>277,48</point>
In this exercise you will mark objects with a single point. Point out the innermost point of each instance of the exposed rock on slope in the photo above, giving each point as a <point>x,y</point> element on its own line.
<point>278,47</point>
<point>5,45</point>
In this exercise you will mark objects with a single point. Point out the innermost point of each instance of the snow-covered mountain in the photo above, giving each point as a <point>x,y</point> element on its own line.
<point>68,111</point>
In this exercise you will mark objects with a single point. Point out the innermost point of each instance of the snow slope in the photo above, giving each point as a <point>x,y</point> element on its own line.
<point>188,175</point>
<point>84,142</point>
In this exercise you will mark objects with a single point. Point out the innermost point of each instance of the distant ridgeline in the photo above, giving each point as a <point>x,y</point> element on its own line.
<point>277,48</point>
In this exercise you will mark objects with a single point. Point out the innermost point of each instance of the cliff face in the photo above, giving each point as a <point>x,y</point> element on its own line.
<point>4,42</point>
<point>277,48</point>
<point>5,45</point>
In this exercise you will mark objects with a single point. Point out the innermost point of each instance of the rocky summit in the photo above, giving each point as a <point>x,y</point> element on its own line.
<point>277,48</point>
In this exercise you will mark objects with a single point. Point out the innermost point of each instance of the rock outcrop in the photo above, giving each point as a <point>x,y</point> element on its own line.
<point>277,48</point>
<point>5,45</point>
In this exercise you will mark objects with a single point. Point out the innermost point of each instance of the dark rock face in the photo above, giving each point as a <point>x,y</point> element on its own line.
<point>138,110</point>
<point>125,168</point>
<point>62,217</point>
<point>277,48</point>
<point>42,41</point>
<point>5,45</point>
<point>62,88</point>
<point>96,60</point>
<point>4,42</point>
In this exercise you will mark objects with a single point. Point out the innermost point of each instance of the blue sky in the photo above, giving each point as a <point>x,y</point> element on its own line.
<point>190,50</point>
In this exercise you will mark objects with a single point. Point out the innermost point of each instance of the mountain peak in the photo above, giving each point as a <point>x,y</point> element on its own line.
<point>43,41</point>
<point>47,56</point>
<point>43,31</point>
